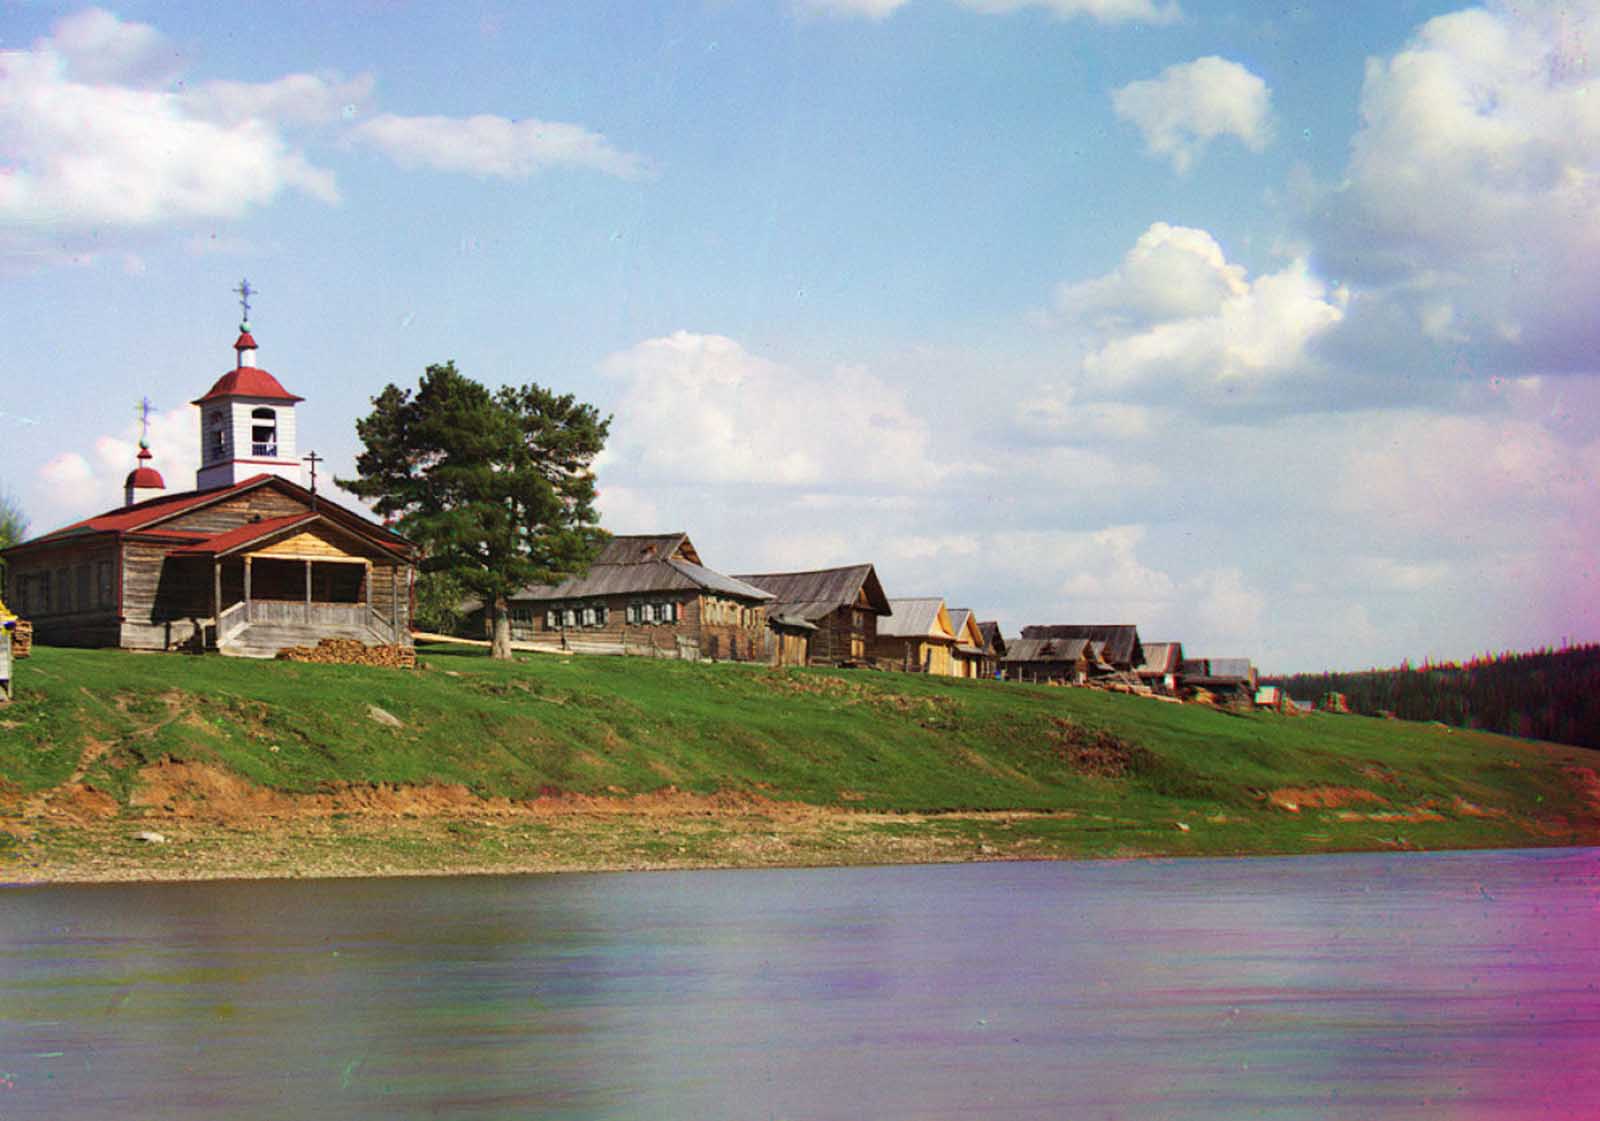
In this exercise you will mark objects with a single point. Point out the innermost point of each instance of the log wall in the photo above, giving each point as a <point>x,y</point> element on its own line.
<point>69,592</point>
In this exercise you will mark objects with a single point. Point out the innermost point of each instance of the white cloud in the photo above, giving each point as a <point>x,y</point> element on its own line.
<point>73,485</point>
<point>1473,185</point>
<point>866,9</point>
<point>308,99</point>
<point>1176,312</point>
<point>488,146</point>
<point>702,408</point>
<point>1103,11</point>
<point>1191,104</point>
<point>78,154</point>
<point>1229,612</point>
<point>98,47</point>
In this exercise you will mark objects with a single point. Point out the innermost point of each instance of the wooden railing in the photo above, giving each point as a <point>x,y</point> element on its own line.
<point>298,611</point>
<point>229,622</point>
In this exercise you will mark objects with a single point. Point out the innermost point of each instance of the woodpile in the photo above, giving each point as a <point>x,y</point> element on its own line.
<point>22,639</point>
<point>351,652</point>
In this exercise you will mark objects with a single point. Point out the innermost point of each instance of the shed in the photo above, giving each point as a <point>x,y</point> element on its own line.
<point>917,636</point>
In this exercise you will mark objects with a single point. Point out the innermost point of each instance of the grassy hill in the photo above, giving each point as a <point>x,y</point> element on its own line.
<point>605,762</point>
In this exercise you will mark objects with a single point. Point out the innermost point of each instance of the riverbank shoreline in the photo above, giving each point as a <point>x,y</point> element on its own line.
<point>548,840</point>
<point>233,770</point>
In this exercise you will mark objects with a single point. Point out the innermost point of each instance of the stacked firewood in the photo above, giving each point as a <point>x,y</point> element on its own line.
<point>22,639</point>
<point>351,652</point>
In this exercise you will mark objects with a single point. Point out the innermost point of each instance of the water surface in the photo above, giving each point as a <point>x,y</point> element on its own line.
<point>1459,986</point>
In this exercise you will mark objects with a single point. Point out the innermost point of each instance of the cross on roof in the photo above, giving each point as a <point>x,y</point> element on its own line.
<point>245,292</point>
<point>144,421</point>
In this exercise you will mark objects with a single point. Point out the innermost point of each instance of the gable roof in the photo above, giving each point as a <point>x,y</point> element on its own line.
<point>992,639</point>
<point>815,595</point>
<point>1048,650</point>
<point>255,533</point>
<point>1122,647</point>
<point>1161,658</point>
<point>642,564</point>
<point>923,617</point>
<point>965,624</point>
<point>148,518</point>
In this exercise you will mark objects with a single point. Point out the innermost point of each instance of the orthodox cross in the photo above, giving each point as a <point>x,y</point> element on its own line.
<point>245,292</point>
<point>144,422</point>
<point>313,459</point>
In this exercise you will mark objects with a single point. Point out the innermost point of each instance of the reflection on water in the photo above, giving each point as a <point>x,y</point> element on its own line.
<point>1459,986</point>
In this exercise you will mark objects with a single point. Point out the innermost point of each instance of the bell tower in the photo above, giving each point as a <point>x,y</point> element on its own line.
<point>246,419</point>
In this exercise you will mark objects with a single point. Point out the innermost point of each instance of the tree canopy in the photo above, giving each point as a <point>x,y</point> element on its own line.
<point>13,524</point>
<point>496,487</point>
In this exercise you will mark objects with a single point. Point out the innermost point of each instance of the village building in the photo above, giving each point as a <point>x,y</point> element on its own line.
<point>645,594</point>
<point>917,636</point>
<point>246,563</point>
<point>1116,646</point>
<point>967,658</point>
<point>1057,661</point>
<point>994,647</point>
<point>1162,663</point>
<point>1229,681</point>
<point>827,616</point>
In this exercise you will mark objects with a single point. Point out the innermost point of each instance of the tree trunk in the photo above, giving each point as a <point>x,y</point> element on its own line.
<point>500,647</point>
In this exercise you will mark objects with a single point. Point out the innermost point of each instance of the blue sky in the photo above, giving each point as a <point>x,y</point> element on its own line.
<point>1268,328</point>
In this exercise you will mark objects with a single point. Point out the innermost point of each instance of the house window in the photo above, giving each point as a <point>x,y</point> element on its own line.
<point>43,606</point>
<point>552,620</point>
<point>264,432</point>
<point>82,598</point>
<point>216,437</point>
<point>102,571</point>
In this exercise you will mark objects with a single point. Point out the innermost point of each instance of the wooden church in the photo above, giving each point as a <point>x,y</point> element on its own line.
<point>246,563</point>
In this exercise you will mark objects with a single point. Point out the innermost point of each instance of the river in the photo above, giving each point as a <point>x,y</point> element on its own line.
<point>1460,986</point>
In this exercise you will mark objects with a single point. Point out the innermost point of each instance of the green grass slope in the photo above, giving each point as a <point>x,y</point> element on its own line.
<point>1105,773</point>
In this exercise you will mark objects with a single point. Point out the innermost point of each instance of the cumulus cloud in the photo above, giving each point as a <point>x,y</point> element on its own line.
<point>73,485</point>
<point>1176,311</point>
<point>1103,11</point>
<point>1473,186</point>
<point>79,151</point>
<point>491,146</point>
<point>309,99</point>
<point>703,408</point>
<point>1191,104</point>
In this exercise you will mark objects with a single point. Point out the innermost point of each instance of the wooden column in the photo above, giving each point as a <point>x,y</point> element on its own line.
<point>247,589</point>
<point>216,594</point>
<point>308,590</point>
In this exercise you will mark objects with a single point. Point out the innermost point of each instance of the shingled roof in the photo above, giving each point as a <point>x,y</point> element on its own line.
<point>817,594</point>
<point>643,564</point>
<point>991,638</point>
<point>1122,647</point>
<point>915,618</point>
<point>1048,650</point>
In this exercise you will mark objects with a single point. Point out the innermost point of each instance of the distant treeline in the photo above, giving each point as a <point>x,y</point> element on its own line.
<point>1545,694</point>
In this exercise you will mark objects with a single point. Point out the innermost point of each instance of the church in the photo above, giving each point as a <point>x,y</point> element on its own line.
<point>246,563</point>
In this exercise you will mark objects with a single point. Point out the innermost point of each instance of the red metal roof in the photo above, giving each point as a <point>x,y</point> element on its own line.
<point>246,342</point>
<point>248,381</point>
<point>243,535</point>
<point>141,478</point>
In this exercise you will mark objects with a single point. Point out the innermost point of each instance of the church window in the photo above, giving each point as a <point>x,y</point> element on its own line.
<point>264,432</point>
<point>216,437</point>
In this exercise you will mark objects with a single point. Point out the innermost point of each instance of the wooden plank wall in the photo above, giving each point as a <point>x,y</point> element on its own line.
<point>91,617</point>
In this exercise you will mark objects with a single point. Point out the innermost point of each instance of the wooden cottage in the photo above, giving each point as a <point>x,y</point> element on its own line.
<point>994,647</point>
<point>1229,681</point>
<point>1116,645</point>
<point>1162,663</point>
<point>1059,661</point>
<point>967,658</point>
<point>825,617</point>
<point>247,563</point>
<point>646,595</point>
<point>917,636</point>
